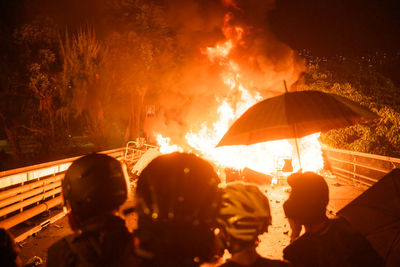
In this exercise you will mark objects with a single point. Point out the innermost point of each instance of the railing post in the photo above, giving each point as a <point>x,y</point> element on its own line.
<point>354,168</point>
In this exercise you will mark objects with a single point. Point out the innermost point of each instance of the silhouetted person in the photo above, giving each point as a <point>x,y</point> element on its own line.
<point>244,215</point>
<point>177,203</point>
<point>326,242</point>
<point>94,187</point>
<point>9,250</point>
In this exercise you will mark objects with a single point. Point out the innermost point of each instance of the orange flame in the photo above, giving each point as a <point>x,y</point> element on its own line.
<point>263,157</point>
<point>165,147</point>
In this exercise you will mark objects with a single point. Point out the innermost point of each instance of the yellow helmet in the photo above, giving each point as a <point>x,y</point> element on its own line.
<point>245,212</point>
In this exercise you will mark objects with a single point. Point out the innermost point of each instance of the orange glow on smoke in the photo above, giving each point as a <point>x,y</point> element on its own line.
<point>263,157</point>
<point>219,51</point>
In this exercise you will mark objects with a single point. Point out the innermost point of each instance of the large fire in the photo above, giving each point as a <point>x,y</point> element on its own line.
<point>266,157</point>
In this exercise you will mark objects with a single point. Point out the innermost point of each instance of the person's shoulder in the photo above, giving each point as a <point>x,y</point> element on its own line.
<point>342,229</point>
<point>60,253</point>
<point>304,242</point>
<point>301,251</point>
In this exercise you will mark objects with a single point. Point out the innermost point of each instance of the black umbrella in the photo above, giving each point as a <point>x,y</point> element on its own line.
<point>376,214</point>
<point>294,115</point>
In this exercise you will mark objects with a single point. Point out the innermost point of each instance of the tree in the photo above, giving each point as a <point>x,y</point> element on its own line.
<point>142,49</point>
<point>83,87</point>
<point>37,86</point>
<point>10,115</point>
<point>361,83</point>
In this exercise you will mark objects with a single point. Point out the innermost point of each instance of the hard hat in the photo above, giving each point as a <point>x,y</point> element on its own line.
<point>93,185</point>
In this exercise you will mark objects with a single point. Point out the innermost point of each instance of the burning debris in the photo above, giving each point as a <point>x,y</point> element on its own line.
<point>245,66</point>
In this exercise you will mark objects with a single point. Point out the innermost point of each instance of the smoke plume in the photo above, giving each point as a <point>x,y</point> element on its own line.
<point>263,62</point>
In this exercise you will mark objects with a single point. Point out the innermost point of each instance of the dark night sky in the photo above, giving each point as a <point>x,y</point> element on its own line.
<point>326,27</point>
<point>347,27</point>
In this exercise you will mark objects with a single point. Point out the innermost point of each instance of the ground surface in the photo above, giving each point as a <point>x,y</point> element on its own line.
<point>271,245</point>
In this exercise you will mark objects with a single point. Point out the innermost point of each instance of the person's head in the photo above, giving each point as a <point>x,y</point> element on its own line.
<point>177,204</point>
<point>244,215</point>
<point>93,186</point>
<point>308,199</point>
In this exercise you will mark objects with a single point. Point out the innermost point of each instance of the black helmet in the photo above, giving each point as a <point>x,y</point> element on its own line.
<point>94,185</point>
<point>177,203</point>
<point>245,212</point>
<point>308,199</point>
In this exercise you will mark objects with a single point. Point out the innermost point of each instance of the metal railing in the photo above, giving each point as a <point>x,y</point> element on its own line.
<point>29,191</point>
<point>359,168</point>
<point>135,149</point>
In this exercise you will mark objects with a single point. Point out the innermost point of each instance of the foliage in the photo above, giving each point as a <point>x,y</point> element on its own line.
<point>142,50</point>
<point>36,86</point>
<point>362,84</point>
<point>106,81</point>
<point>76,83</point>
<point>83,91</point>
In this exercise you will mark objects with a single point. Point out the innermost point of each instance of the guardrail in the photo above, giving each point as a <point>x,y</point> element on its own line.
<point>134,150</point>
<point>359,168</point>
<point>28,191</point>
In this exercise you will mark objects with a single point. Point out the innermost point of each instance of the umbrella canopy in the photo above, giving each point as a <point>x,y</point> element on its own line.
<point>294,115</point>
<point>376,214</point>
